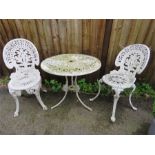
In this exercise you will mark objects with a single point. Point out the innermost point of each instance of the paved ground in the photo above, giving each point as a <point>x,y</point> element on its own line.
<point>71,118</point>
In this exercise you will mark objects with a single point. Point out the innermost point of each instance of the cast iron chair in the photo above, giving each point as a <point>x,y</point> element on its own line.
<point>22,55</point>
<point>132,60</point>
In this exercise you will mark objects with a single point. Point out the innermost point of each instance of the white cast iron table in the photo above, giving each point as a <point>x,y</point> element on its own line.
<point>71,65</point>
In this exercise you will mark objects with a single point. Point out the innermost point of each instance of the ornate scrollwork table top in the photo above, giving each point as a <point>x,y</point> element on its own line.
<point>71,64</point>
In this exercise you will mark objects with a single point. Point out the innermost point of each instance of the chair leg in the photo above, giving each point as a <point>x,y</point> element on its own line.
<point>132,106</point>
<point>14,94</point>
<point>99,89</point>
<point>37,94</point>
<point>116,97</point>
<point>36,91</point>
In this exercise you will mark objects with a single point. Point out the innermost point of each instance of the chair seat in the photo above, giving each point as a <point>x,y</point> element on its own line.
<point>118,80</point>
<point>24,79</point>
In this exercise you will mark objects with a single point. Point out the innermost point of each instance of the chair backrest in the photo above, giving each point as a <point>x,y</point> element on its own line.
<point>133,58</point>
<point>21,54</point>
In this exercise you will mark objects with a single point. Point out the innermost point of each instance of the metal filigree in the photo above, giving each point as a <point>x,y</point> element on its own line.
<point>22,55</point>
<point>71,64</point>
<point>132,60</point>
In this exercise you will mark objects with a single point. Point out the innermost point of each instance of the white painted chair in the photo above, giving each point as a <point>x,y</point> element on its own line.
<point>132,60</point>
<point>22,55</point>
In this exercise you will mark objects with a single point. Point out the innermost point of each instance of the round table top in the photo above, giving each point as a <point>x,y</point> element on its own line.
<point>71,64</point>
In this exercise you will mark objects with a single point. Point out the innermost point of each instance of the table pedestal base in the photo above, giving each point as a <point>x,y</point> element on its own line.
<point>73,87</point>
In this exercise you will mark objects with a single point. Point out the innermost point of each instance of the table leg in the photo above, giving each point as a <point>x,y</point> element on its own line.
<point>65,88</point>
<point>77,88</point>
<point>99,90</point>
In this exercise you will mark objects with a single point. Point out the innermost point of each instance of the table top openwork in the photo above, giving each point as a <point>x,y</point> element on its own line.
<point>71,64</point>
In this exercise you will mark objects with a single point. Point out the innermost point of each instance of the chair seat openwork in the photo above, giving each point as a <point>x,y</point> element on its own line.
<point>132,60</point>
<point>25,79</point>
<point>118,80</point>
<point>22,55</point>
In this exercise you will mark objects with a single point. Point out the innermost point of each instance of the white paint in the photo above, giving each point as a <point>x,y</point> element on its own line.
<point>132,60</point>
<point>22,55</point>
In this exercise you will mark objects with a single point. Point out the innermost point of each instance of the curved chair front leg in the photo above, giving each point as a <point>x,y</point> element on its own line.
<point>37,94</point>
<point>99,90</point>
<point>36,91</point>
<point>132,106</point>
<point>116,97</point>
<point>15,95</point>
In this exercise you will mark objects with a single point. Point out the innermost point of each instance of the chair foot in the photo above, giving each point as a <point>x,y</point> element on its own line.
<point>132,106</point>
<point>45,107</point>
<point>16,114</point>
<point>113,119</point>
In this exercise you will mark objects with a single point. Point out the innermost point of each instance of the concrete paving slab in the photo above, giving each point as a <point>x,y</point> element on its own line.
<point>71,118</point>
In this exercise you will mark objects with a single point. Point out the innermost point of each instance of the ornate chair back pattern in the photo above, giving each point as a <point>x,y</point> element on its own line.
<point>133,59</point>
<point>21,54</point>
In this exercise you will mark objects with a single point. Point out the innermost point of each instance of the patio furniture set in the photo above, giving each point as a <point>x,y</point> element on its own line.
<point>22,55</point>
